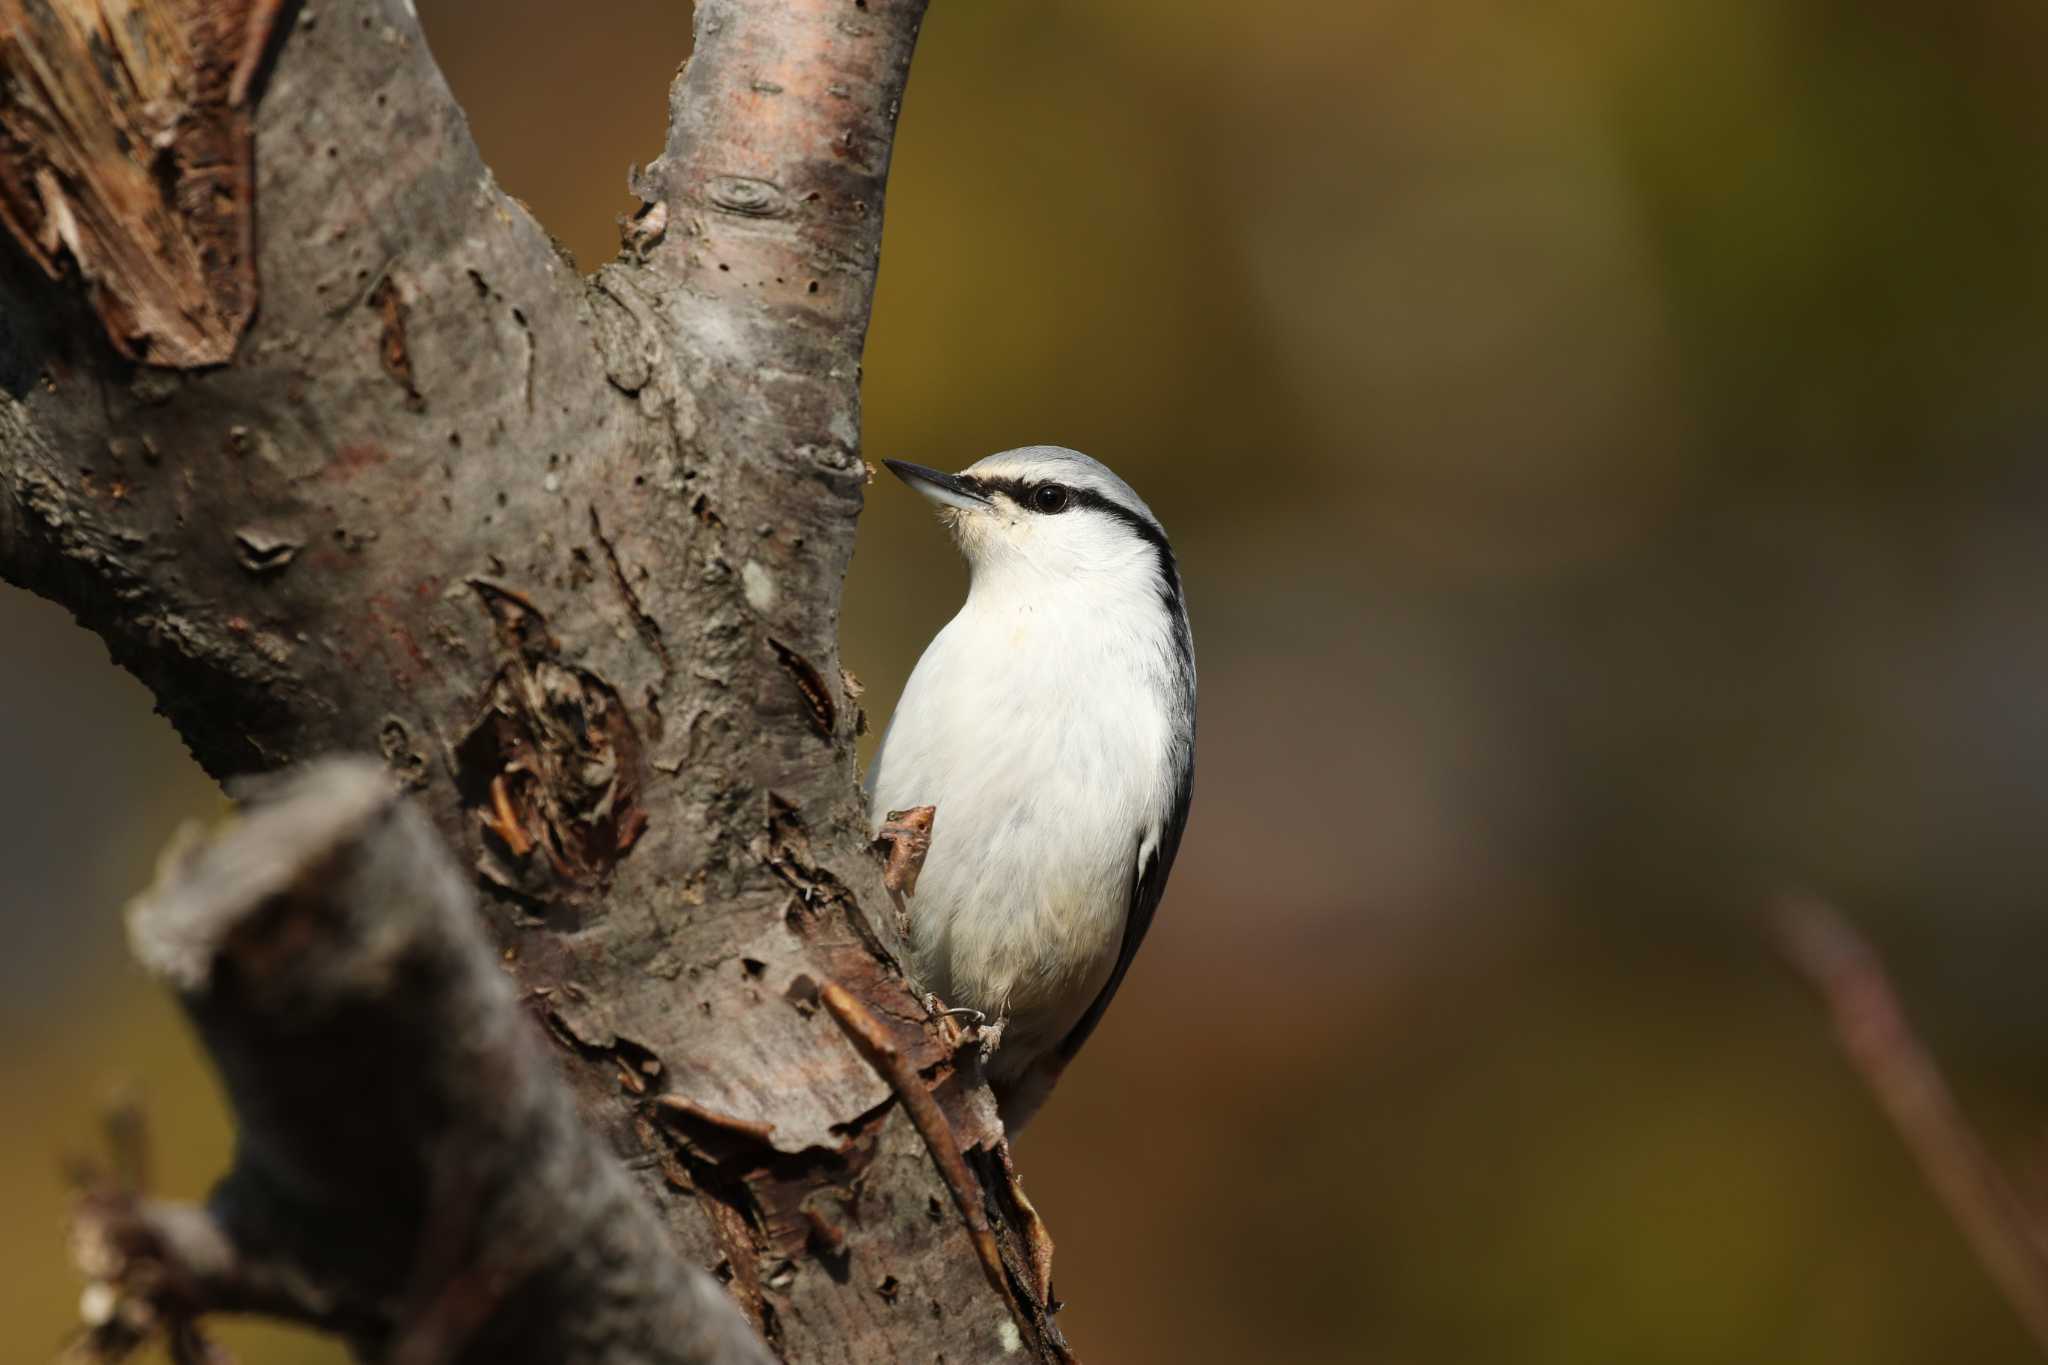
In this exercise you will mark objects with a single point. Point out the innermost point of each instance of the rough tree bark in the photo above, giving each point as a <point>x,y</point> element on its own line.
<point>314,425</point>
<point>409,1170</point>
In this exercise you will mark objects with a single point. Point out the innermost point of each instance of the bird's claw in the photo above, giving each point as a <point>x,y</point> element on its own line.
<point>949,1028</point>
<point>987,1034</point>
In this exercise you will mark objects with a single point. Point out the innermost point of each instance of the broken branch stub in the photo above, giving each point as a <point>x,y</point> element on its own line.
<point>408,1153</point>
<point>905,839</point>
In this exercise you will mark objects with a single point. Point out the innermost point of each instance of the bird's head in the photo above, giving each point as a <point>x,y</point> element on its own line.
<point>1052,514</point>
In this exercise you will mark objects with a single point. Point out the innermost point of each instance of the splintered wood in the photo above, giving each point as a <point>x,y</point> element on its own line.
<point>126,159</point>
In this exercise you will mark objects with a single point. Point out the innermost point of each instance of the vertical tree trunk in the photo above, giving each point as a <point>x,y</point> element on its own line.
<point>315,426</point>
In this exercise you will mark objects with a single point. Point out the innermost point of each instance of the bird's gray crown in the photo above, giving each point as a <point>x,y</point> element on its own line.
<point>1028,465</point>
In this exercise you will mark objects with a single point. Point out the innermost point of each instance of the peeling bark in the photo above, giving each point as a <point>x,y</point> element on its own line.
<point>566,552</point>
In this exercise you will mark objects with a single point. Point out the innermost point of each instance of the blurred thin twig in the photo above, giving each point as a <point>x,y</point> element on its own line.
<point>1873,1030</point>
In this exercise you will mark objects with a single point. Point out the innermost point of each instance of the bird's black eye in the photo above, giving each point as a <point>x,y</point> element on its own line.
<point>1049,498</point>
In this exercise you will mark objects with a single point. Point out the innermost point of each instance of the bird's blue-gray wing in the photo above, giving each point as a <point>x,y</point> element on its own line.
<point>1146,890</point>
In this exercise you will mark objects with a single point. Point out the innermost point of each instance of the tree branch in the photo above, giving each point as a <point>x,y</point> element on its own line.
<point>386,1083</point>
<point>1907,1083</point>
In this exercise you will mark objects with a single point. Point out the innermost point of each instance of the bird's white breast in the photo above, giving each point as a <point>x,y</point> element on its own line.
<point>1034,724</point>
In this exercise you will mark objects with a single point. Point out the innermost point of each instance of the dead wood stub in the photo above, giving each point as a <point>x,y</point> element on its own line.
<point>324,946</point>
<point>126,160</point>
<point>905,839</point>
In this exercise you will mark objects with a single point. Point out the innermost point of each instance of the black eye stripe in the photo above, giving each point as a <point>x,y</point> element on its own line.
<point>1024,491</point>
<point>1015,489</point>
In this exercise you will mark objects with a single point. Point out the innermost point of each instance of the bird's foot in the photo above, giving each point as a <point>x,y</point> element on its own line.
<point>939,1009</point>
<point>987,1034</point>
<point>948,1020</point>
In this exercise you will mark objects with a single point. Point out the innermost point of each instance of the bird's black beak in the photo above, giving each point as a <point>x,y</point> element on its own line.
<point>947,490</point>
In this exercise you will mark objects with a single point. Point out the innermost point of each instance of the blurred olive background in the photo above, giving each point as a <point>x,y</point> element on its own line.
<point>1603,443</point>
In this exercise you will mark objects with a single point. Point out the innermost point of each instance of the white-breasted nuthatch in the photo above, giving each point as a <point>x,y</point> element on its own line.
<point>1052,724</point>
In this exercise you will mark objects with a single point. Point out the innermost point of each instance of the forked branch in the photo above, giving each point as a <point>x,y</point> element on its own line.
<point>566,551</point>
